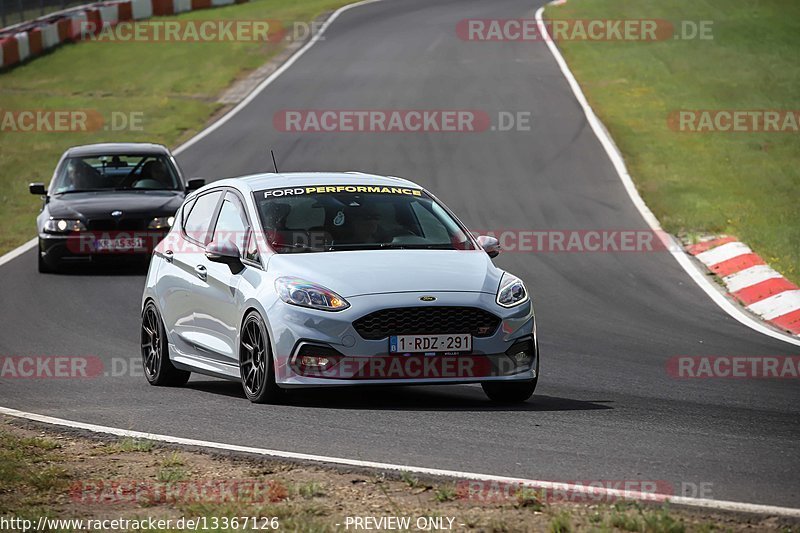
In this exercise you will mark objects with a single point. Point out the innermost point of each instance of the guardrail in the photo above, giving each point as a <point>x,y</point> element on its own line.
<point>24,41</point>
<point>14,12</point>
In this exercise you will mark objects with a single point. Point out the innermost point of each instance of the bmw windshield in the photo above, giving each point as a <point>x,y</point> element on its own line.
<point>116,172</point>
<point>356,217</point>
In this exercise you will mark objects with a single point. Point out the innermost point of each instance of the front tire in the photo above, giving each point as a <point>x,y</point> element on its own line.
<point>509,391</point>
<point>158,369</point>
<point>255,362</point>
<point>512,391</point>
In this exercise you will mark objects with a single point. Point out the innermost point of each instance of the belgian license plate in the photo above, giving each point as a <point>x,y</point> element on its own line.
<point>108,245</point>
<point>457,342</point>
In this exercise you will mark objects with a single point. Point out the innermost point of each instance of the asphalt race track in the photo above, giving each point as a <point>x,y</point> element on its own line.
<point>605,409</point>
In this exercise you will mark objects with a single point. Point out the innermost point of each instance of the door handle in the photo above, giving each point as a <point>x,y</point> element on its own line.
<point>201,272</point>
<point>168,255</point>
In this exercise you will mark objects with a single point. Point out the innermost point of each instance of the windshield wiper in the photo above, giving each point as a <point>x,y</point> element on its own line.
<point>135,189</point>
<point>83,190</point>
<point>295,246</point>
<point>390,246</point>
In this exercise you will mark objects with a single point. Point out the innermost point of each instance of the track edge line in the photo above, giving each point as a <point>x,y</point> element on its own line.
<point>721,505</point>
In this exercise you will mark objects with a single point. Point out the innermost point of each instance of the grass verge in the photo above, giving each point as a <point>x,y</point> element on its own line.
<point>742,184</point>
<point>47,472</point>
<point>170,89</point>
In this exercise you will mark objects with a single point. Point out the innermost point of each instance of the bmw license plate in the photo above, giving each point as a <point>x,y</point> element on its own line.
<point>458,342</point>
<point>121,244</point>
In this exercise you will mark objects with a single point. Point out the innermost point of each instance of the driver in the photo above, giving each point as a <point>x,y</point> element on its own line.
<point>156,170</point>
<point>362,223</point>
<point>77,176</point>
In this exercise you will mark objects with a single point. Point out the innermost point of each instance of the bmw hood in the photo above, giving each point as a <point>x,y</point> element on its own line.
<point>88,205</point>
<point>358,273</point>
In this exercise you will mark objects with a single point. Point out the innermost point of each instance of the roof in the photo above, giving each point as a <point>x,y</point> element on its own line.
<point>116,148</point>
<point>258,182</point>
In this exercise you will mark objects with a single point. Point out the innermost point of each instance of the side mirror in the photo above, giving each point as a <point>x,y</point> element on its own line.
<point>226,253</point>
<point>37,189</point>
<point>490,245</point>
<point>194,184</point>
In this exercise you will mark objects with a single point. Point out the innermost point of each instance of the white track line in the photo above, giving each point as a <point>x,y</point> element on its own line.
<point>18,251</point>
<point>272,77</point>
<point>567,487</point>
<point>675,248</point>
<point>637,200</point>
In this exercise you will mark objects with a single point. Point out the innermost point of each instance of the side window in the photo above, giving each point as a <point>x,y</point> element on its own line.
<point>251,249</point>
<point>232,223</point>
<point>187,207</point>
<point>199,220</point>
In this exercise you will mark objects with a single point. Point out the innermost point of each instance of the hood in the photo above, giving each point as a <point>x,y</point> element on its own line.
<point>88,205</point>
<point>357,273</point>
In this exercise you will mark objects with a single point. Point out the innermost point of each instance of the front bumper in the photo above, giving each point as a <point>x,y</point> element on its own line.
<point>360,361</point>
<point>81,247</point>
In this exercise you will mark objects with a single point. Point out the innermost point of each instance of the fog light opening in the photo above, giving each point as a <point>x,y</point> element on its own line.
<point>312,361</point>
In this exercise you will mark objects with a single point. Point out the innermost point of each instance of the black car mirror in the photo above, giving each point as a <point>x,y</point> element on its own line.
<point>37,189</point>
<point>195,183</point>
<point>226,253</point>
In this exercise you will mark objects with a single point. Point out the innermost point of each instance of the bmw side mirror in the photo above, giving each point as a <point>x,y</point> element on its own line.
<point>226,253</point>
<point>194,184</point>
<point>490,245</point>
<point>37,189</point>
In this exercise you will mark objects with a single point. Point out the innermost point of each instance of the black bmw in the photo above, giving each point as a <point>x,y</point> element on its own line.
<point>108,200</point>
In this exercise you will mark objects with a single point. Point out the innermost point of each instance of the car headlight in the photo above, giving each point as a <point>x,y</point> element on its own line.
<point>512,291</point>
<point>300,292</point>
<point>62,225</point>
<point>161,223</point>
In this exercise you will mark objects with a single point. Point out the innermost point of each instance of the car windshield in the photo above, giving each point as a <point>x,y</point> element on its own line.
<point>116,172</point>
<point>355,217</point>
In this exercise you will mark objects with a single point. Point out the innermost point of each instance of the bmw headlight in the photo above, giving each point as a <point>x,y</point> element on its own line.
<point>300,292</point>
<point>62,225</point>
<point>512,291</point>
<point>161,223</point>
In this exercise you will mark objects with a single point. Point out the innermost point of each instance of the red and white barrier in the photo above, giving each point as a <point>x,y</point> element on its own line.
<point>109,14</point>
<point>50,36</point>
<point>23,45</point>
<point>750,280</point>
<point>28,40</point>
<point>141,9</point>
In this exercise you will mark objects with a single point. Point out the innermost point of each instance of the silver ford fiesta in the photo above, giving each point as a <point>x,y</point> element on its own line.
<point>333,279</point>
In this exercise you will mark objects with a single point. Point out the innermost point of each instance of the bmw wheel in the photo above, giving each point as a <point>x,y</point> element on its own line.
<point>158,369</point>
<point>255,362</point>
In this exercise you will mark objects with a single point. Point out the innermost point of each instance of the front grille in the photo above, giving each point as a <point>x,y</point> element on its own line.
<point>426,321</point>
<point>110,224</point>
